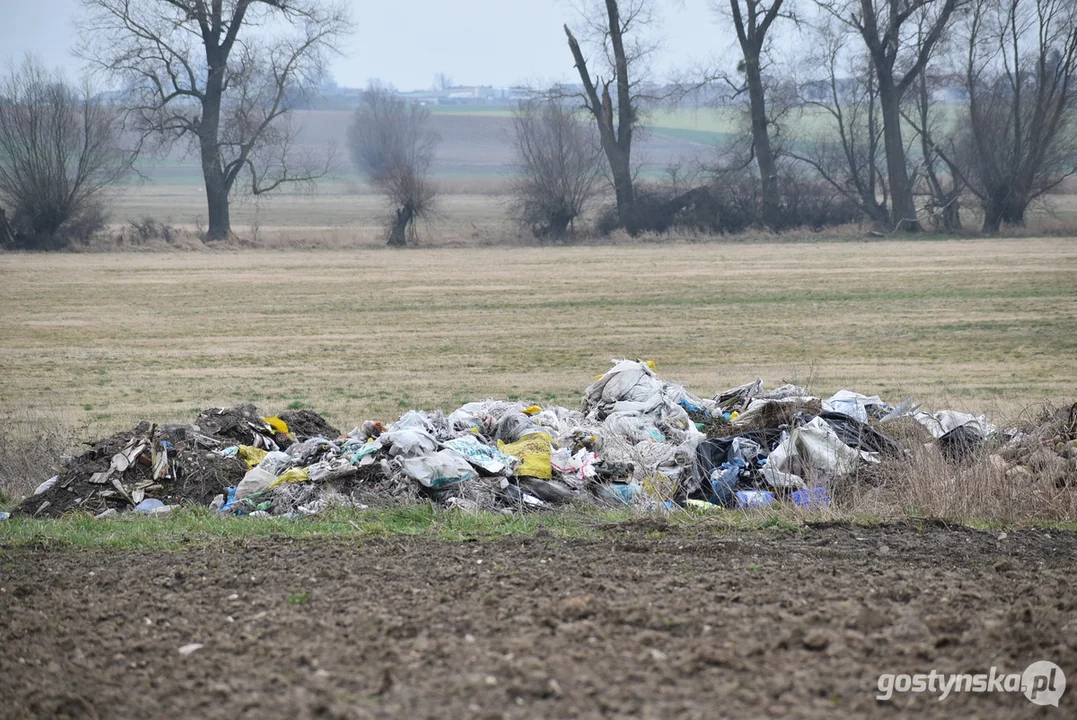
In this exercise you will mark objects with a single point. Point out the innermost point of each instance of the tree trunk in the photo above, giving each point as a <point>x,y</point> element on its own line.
<point>903,207</point>
<point>220,226</point>
<point>876,212</point>
<point>992,218</point>
<point>621,170</point>
<point>398,235</point>
<point>7,235</point>
<point>217,187</point>
<point>764,157</point>
<point>1007,210</point>
<point>951,216</point>
<point>556,225</point>
<point>616,142</point>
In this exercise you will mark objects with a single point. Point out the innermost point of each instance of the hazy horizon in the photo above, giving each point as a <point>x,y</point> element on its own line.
<point>474,42</point>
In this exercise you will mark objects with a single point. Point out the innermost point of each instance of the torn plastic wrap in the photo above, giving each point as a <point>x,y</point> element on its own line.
<point>812,452</point>
<point>482,456</point>
<point>957,434</point>
<point>438,469</point>
<point>854,405</point>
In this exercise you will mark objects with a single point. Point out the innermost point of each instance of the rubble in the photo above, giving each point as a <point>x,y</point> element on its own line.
<point>637,439</point>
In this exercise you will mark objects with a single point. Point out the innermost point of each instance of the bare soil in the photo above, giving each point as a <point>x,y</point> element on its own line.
<point>644,622</point>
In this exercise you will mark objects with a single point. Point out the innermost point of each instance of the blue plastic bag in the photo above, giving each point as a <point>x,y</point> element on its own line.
<point>754,498</point>
<point>812,496</point>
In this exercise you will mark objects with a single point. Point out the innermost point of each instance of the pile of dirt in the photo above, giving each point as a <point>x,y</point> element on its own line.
<point>1045,447</point>
<point>174,463</point>
<point>242,423</point>
<point>305,424</point>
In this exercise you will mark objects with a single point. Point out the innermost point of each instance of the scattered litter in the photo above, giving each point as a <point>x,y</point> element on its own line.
<point>46,485</point>
<point>636,440</point>
<point>754,498</point>
<point>812,497</point>
<point>190,648</point>
<point>534,451</point>
<point>855,405</point>
<point>153,507</point>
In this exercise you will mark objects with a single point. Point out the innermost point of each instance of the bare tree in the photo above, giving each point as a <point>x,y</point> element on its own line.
<point>1020,70</point>
<point>59,153</point>
<point>942,180</point>
<point>752,20</point>
<point>619,34</point>
<point>842,104</point>
<point>222,75</point>
<point>558,167</point>
<point>393,146</point>
<point>887,28</point>
<point>442,82</point>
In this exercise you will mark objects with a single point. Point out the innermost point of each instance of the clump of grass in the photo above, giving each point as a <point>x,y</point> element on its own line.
<point>32,443</point>
<point>981,487</point>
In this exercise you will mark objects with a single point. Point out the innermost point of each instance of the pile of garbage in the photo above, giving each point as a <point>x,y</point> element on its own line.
<point>636,439</point>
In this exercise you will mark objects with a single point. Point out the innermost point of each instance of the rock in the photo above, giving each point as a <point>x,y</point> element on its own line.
<point>816,640</point>
<point>576,608</point>
<point>998,463</point>
<point>1048,465</point>
<point>871,619</point>
<point>1019,473</point>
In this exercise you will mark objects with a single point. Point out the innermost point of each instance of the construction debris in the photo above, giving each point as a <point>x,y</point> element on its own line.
<point>636,439</point>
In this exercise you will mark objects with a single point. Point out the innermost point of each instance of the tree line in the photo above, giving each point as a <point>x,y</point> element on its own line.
<point>900,113</point>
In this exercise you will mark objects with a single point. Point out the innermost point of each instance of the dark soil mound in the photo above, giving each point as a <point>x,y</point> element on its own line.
<point>174,463</point>
<point>306,424</point>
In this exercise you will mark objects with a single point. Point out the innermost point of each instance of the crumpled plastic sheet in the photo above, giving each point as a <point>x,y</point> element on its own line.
<point>854,404</point>
<point>812,452</point>
<point>946,421</point>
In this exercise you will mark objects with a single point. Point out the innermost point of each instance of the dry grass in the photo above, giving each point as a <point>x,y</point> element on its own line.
<point>469,206</point>
<point>110,339</point>
<point>472,210</point>
<point>925,484</point>
<point>32,443</point>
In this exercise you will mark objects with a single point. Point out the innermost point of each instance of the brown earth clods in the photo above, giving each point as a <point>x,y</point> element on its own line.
<point>644,622</point>
<point>174,462</point>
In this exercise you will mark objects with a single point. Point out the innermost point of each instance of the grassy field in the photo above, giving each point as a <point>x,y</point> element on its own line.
<point>104,340</point>
<point>473,169</point>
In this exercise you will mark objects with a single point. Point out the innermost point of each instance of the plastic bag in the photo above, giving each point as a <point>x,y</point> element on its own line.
<point>295,475</point>
<point>480,455</point>
<point>627,380</point>
<point>411,442</point>
<point>534,452</point>
<point>251,455</point>
<point>445,467</point>
<point>255,481</point>
<point>852,404</point>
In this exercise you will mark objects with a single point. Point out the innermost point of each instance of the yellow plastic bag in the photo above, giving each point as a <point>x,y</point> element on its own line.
<point>534,451</point>
<point>532,410</point>
<point>278,425</point>
<point>252,455</point>
<point>295,475</point>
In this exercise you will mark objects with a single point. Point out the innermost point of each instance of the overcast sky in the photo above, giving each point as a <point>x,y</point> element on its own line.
<point>405,42</point>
